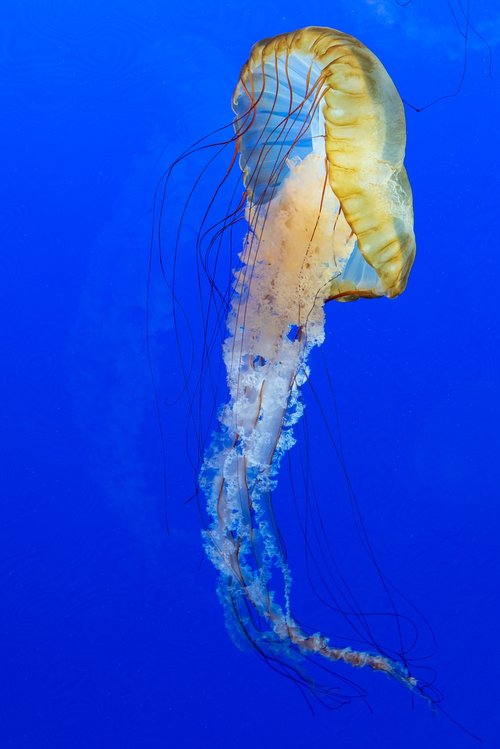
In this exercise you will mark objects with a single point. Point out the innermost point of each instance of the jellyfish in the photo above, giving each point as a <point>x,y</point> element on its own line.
<point>319,134</point>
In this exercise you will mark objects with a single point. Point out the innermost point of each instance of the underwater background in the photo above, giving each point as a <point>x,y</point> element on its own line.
<point>111,631</point>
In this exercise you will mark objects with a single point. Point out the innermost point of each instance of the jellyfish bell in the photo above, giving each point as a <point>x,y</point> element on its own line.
<point>320,96</point>
<point>319,131</point>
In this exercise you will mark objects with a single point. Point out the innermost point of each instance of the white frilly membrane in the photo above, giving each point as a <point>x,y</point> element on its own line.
<point>297,245</point>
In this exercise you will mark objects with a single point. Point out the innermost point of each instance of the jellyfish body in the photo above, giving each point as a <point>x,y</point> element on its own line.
<point>320,132</point>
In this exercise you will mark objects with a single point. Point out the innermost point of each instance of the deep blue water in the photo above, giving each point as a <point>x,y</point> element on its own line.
<point>111,631</point>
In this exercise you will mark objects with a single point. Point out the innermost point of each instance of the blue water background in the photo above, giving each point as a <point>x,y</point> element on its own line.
<point>111,631</point>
